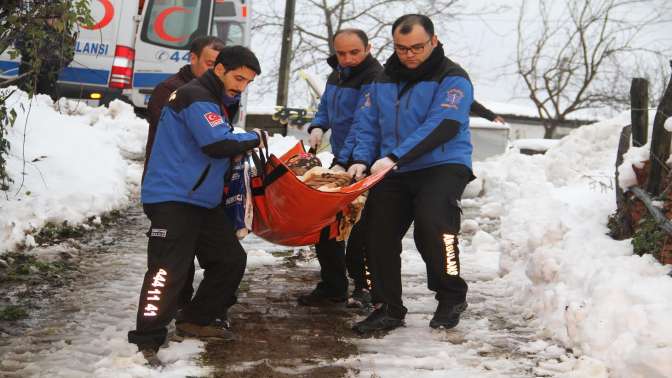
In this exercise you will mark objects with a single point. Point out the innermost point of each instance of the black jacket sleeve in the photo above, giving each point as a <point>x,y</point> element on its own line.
<point>478,110</point>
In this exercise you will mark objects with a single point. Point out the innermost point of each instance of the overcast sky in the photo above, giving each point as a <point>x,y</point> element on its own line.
<point>484,43</point>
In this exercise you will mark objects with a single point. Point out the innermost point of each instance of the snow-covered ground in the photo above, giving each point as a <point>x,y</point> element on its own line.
<point>75,162</point>
<point>539,255</point>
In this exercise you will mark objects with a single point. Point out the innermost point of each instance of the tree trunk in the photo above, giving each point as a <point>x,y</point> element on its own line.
<point>549,129</point>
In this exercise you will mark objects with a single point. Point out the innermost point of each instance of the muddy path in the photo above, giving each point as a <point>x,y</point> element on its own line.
<point>77,316</point>
<point>278,337</point>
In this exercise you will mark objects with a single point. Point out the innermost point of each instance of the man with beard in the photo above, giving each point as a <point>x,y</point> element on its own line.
<point>182,197</point>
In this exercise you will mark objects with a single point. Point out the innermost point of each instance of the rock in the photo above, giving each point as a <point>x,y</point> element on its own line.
<point>33,269</point>
<point>3,265</point>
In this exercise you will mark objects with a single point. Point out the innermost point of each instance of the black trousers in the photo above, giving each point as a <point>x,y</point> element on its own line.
<point>188,290</point>
<point>331,256</point>
<point>429,197</point>
<point>336,258</point>
<point>355,255</point>
<point>177,232</point>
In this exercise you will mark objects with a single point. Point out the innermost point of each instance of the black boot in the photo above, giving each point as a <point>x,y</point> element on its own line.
<point>447,315</point>
<point>381,319</point>
<point>223,321</point>
<point>198,331</point>
<point>319,297</point>
<point>360,298</point>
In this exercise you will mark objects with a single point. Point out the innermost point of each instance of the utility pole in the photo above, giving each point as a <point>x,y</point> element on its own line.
<point>285,54</point>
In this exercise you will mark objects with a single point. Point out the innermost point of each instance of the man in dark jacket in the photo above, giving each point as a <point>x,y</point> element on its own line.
<point>203,52</point>
<point>416,119</point>
<point>182,196</point>
<point>353,69</point>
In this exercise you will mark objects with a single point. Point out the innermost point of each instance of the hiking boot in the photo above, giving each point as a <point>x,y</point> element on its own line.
<point>360,298</point>
<point>319,297</point>
<point>207,331</point>
<point>447,315</point>
<point>381,319</point>
<point>150,355</point>
<point>223,323</point>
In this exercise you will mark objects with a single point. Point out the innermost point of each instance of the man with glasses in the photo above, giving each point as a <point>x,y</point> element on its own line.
<point>416,119</point>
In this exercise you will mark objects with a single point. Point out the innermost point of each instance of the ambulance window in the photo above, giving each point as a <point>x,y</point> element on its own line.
<point>231,32</point>
<point>175,23</point>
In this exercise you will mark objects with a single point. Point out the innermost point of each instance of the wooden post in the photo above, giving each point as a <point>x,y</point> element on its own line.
<point>639,111</point>
<point>660,143</point>
<point>286,54</point>
<point>623,147</point>
<point>622,216</point>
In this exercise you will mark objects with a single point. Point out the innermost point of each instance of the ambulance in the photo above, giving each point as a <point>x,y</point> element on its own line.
<point>135,44</point>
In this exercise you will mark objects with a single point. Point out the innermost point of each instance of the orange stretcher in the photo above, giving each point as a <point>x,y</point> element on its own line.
<point>289,212</point>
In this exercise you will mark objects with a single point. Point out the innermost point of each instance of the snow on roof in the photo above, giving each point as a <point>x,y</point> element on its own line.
<point>534,144</point>
<point>510,109</point>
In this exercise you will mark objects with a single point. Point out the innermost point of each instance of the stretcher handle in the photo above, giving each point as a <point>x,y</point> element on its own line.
<point>260,159</point>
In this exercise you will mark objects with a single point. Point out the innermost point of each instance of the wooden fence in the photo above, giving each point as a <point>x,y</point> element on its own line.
<point>658,184</point>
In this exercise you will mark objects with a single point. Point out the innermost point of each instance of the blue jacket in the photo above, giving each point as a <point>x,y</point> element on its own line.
<point>340,101</point>
<point>419,118</point>
<point>193,145</point>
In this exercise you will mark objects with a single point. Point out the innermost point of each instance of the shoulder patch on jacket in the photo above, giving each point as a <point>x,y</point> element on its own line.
<point>453,98</point>
<point>213,119</point>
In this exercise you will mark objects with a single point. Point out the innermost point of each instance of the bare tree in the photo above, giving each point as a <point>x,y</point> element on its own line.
<point>317,21</point>
<point>580,48</point>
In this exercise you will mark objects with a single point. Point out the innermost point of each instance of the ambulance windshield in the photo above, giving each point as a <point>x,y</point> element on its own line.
<point>174,23</point>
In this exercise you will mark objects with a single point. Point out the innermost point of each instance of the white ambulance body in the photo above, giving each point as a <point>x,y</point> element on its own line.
<point>103,60</point>
<point>135,44</point>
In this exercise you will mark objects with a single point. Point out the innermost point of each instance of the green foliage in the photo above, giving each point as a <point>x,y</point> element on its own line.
<point>45,30</point>
<point>52,232</point>
<point>7,119</point>
<point>25,267</point>
<point>649,238</point>
<point>11,313</point>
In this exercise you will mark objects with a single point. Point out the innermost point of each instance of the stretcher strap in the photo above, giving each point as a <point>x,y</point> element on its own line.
<point>275,174</point>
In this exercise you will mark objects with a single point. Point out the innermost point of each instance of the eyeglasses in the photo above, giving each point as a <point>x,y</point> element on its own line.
<point>416,49</point>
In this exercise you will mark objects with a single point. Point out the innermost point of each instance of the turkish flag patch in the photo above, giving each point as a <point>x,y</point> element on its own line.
<point>213,119</point>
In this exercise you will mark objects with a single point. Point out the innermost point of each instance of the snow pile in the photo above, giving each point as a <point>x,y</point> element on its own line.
<point>586,290</point>
<point>76,164</point>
